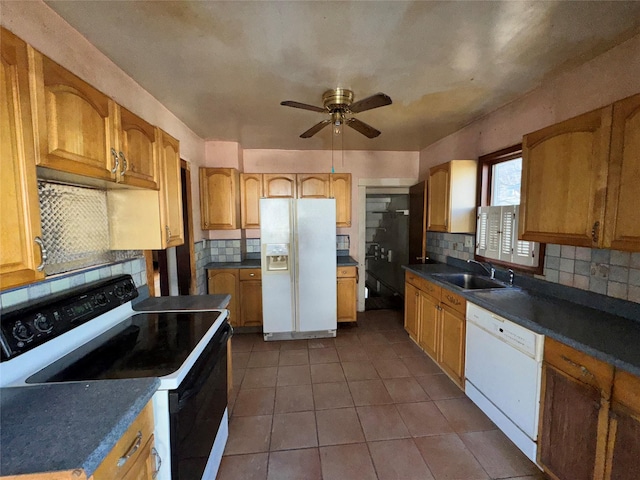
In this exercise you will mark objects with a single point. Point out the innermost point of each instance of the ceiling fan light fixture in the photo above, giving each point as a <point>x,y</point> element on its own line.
<point>337,119</point>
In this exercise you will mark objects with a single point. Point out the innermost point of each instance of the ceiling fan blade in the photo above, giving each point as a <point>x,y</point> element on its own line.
<point>304,106</point>
<point>315,129</point>
<point>363,128</point>
<point>374,101</point>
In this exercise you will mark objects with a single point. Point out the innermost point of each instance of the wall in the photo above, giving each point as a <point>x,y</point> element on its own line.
<point>360,164</point>
<point>603,80</point>
<point>46,31</point>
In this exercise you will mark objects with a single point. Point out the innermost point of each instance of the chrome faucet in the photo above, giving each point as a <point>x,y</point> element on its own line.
<point>511,276</point>
<point>490,270</point>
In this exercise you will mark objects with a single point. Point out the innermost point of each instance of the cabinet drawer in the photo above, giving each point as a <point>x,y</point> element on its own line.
<point>455,301</point>
<point>138,434</point>
<point>346,272</point>
<point>579,365</point>
<point>250,274</point>
<point>427,287</point>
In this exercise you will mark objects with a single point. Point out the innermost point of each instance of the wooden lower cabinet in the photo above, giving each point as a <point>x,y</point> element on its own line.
<point>250,297</point>
<point>435,320</point>
<point>132,458</point>
<point>347,294</point>
<point>589,418</point>
<point>245,287</point>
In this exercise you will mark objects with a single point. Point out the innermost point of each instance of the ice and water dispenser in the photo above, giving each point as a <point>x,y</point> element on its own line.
<point>277,256</point>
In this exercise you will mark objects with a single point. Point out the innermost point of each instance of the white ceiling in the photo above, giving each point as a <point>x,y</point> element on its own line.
<point>224,67</point>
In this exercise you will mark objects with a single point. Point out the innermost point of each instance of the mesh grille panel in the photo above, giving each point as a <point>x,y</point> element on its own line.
<point>75,227</point>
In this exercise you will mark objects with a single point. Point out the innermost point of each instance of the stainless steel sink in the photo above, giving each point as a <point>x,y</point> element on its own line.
<point>470,281</point>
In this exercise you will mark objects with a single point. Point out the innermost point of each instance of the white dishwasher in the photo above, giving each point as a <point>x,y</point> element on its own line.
<point>503,371</point>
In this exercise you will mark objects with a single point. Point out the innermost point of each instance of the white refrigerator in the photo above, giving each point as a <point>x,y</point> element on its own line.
<point>298,258</point>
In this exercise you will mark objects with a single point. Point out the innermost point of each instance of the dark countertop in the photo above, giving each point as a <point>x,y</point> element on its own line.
<point>67,426</point>
<point>604,335</point>
<point>342,261</point>
<point>183,302</point>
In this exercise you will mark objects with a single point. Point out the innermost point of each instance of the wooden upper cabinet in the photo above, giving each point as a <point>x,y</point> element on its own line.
<point>340,184</point>
<point>313,185</point>
<point>622,218</point>
<point>451,193</point>
<point>75,121</point>
<point>137,151</point>
<point>19,207</point>
<point>564,181</point>
<point>219,198</point>
<point>250,194</point>
<point>170,191</point>
<point>279,185</point>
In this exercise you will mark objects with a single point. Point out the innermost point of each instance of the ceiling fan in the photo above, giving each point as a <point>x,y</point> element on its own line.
<point>338,103</point>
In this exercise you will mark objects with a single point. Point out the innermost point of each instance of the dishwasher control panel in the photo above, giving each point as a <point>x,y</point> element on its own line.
<point>519,337</point>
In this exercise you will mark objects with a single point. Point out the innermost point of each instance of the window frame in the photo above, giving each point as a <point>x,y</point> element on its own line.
<point>484,184</point>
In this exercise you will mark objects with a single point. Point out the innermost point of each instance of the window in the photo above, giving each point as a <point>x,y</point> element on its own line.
<point>500,176</point>
<point>505,182</point>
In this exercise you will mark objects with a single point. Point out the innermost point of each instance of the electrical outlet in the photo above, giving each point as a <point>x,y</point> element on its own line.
<point>468,242</point>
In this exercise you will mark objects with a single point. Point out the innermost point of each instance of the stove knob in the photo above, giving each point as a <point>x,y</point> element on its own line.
<point>119,291</point>
<point>42,323</point>
<point>22,331</point>
<point>100,299</point>
<point>128,288</point>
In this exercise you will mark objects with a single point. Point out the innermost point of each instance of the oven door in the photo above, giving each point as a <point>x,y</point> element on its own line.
<point>197,407</point>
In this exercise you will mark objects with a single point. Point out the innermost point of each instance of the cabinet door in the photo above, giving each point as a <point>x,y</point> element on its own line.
<point>251,298</point>
<point>623,449</point>
<point>226,282</point>
<point>313,185</point>
<point>219,198</point>
<point>452,338</point>
<point>137,151</point>
<point>438,195</point>
<point>572,427</point>
<point>19,206</point>
<point>622,228</point>
<point>75,122</point>
<point>279,185</point>
<point>170,191</point>
<point>429,324</point>
<point>411,310</point>
<point>341,190</point>
<point>564,174</point>
<point>250,195</point>
<point>346,301</point>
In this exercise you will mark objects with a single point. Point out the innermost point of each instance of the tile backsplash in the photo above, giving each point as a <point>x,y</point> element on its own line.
<point>59,283</point>
<point>224,251</point>
<point>608,272</point>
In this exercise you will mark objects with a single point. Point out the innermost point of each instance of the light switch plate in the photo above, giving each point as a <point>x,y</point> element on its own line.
<point>468,242</point>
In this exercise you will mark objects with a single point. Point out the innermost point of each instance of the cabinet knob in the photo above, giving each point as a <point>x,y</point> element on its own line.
<point>595,230</point>
<point>252,274</point>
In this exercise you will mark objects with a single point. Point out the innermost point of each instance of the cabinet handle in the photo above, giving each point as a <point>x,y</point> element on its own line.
<point>168,232</point>
<point>252,274</point>
<point>134,448</point>
<point>155,453</point>
<point>124,164</point>
<point>453,300</point>
<point>585,371</point>
<point>43,253</point>
<point>595,232</point>
<point>116,161</point>
<point>357,275</point>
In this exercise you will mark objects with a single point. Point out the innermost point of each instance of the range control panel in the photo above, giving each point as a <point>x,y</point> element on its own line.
<point>33,324</point>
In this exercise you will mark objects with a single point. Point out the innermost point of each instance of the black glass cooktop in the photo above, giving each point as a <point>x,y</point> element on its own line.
<point>145,345</point>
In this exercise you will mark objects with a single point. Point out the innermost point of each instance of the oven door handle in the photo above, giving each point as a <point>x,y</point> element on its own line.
<point>190,392</point>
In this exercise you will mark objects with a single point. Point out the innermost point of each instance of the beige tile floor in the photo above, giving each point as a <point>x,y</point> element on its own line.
<point>368,404</point>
